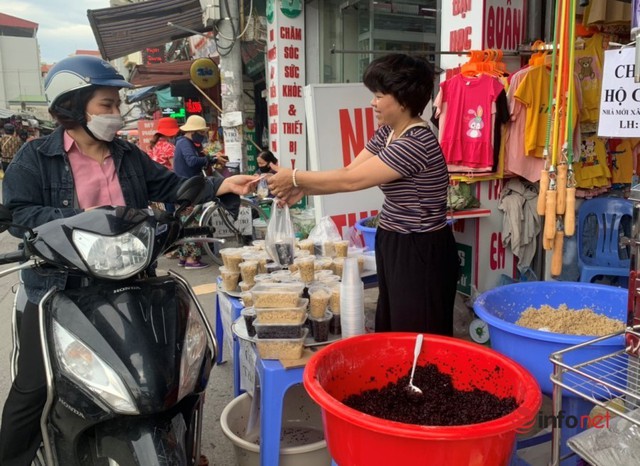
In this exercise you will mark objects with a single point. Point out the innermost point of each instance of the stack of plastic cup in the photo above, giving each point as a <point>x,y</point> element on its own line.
<point>351,299</point>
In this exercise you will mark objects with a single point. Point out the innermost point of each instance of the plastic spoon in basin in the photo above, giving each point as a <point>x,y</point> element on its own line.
<point>414,392</point>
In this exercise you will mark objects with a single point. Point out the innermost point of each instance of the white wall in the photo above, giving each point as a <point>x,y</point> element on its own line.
<point>20,69</point>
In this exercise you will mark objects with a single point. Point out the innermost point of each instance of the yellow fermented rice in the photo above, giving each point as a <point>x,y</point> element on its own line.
<point>569,321</point>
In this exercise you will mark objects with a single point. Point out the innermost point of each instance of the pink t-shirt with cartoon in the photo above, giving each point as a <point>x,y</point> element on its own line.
<point>467,136</point>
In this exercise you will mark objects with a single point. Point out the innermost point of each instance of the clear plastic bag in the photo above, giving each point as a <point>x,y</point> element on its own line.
<point>280,239</point>
<point>324,235</point>
<point>617,443</point>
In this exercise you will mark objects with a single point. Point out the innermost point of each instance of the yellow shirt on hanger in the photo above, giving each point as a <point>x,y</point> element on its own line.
<point>591,170</point>
<point>588,66</point>
<point>533,92</point>
<point>621,152</point>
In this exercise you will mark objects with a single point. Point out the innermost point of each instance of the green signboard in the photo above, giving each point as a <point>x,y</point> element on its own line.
<point>465,255</point>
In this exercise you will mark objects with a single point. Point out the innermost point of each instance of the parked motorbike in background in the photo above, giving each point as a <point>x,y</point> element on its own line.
<point>127,354</point>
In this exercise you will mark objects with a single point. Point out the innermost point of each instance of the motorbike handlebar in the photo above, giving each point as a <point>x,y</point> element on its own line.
<point>12,257</point>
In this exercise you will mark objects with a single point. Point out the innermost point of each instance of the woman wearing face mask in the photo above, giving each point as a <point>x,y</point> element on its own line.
<point>79,166</point>
<point>188,159</point>
<point>265,160</point>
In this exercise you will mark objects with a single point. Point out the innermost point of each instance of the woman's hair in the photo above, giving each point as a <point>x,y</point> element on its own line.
<point>407,78</point>
<point>154,140</point>
<point>75,104</point>
<point>268,157</point>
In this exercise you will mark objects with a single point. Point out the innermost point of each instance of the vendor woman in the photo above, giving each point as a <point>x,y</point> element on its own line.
<point>416,256</point>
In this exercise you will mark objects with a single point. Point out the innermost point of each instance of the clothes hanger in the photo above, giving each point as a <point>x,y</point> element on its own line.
<point>500,65</point>
<point>489,64</point>
<point>537,58</point>
<point>473,67</point>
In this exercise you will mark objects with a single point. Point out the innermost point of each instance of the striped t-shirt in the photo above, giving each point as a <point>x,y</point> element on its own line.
<point>417,202</point>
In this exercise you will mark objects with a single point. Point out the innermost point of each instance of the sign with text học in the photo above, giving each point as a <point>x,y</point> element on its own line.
<point>620,97</point>
<point>460,31</point>
<point>285,81</point>
<point>466,26</point>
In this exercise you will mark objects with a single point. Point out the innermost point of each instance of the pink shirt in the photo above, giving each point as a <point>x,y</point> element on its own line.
<point>162,153</point>
<point>467,136</point>
<point>96,184</point>
<point>516,161</point>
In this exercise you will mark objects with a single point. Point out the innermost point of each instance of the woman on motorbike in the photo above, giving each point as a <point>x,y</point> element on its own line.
<point>81,165</point>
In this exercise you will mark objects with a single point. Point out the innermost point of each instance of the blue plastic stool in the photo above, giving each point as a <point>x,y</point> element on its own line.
<point>275,380</point>
<point>602,221</point>
<point>236,308</point>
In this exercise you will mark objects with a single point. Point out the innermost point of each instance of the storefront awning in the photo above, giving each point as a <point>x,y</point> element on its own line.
<point>140,94</point>
<point>125,29</point>
<point>157,74</point>
<point>4,113</point>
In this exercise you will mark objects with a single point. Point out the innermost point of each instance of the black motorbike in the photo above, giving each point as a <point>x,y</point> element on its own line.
<point>127,354</point>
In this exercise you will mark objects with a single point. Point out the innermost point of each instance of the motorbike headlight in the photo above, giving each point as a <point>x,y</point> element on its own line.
<point>119,256</point>
<point>85,367</point>
<point>193,348</point>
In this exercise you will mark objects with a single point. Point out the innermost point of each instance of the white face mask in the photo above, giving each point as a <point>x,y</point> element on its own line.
<point>105,127</point>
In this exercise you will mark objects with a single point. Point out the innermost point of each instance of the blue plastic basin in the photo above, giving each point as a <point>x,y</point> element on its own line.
<point>368,234</point>
<point>501,307</point>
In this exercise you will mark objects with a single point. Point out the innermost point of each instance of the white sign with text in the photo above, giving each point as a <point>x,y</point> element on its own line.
<point>620,98</point>
<point>341,121</point>
<point>285,81</point>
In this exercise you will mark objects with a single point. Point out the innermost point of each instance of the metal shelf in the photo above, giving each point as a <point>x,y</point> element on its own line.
<point>614,376</point>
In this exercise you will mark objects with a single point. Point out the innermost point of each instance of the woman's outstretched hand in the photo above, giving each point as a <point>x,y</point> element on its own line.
<point>294,196</point>
<point>241,184</point>
<point>281,183</point>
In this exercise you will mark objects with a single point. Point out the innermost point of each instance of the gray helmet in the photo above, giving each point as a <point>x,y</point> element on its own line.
<point>77,72</point>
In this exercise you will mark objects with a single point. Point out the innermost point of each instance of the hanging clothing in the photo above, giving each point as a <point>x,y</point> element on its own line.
<point>588,66</point>
<point>467,124</point>
<point>521,222</point>
<point>516,160</point>
<point>591,170</point>
<point>607,12</point>
<point>620,152</point>
<point>533,92</point>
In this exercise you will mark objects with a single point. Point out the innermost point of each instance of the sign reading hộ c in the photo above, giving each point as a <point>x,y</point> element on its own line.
<point>620,97</point>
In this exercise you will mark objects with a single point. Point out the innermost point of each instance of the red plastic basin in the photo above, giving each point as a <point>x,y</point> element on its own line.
<point>364,362</point>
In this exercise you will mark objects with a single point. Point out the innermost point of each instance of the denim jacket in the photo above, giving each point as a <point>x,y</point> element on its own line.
<point>38,187</point>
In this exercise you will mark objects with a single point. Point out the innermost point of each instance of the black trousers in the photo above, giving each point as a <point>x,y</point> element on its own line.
<point>20,434</point>
<point>417,276</point>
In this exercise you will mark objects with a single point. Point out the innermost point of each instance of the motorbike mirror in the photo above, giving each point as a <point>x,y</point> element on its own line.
<point>191,190</point>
